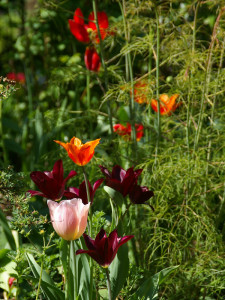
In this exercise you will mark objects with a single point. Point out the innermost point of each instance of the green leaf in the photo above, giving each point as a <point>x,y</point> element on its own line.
<point>116,196</point>
<point>149,289</point>
<point>47,284</point>
<point>7,231</point>
<point>119,270</point>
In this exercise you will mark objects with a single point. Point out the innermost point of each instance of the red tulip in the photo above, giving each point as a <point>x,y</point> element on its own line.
<point>140,194</point>
<point>92,59</point>
<point>125,131</point>
<point>121,180</point>
<point>81,193</point>
<point>19,77</point>
<point>10,281</point>
<point>51,184</point>
<point>81,30</point>
<point>103,249</point>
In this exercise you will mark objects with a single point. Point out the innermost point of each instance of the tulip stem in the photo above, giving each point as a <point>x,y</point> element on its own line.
<point>89,100</point>
<point>90,230</point>
<point>73,245</point>
<point>108,283</point>
<point>68,274</point>
<point>103,64</point>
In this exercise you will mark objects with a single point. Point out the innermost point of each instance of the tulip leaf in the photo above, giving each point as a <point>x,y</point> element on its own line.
<point>119,270</point>
<point>7,231</point>
<point>48,287</point>
<point>150,287</point>
<point>116,196</point>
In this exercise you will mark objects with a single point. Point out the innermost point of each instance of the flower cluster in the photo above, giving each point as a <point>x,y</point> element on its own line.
<point>87,33</point>
<point>69,217</point>
<point>125,131</point>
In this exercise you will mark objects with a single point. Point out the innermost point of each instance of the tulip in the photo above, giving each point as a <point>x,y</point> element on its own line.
<point>140,194</point>
<point>81,30</point>
<point>19,77</point>
<point>92,59</point>
<point>103,249</point>
<point>121,180</point>
<point>51,184</point>
<point>141,92</point>
<point>69,218</point>
<point>81,193</point>
<point>126,130</point>
<point>10,281</point>
<point>80,153</point>
<point>167,105</point>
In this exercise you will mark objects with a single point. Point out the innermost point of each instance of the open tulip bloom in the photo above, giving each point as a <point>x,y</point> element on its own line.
<point>103,249</point>
<point>81,193</point>
<point>80,153</point>
<point>81,30</point>
<point>51,184</point>
<point>69,218</point>
<point>167,105</point>
<point>126,130</point>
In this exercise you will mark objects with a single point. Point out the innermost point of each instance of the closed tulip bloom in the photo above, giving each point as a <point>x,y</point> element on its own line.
<point>81,193</point>
<point>103,249</point>
<point>80,153</point>
<point>51,184</point>
<point>69,218</point>
<point>92,59</point>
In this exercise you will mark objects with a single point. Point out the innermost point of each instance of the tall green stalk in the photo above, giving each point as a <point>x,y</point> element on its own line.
<point>4,152</point>
<point>129,75</point>
<point>157,86</point>
<point>108,283</point>
<point>90,231</point>
<point>103,64</point>
<point>89,102</point>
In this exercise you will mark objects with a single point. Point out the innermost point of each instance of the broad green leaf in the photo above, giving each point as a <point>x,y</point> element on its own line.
<point>149,289</point>
<point>119,270</point>
<point>7,231</point>
<point>47,284</point>
<point>116,196</point>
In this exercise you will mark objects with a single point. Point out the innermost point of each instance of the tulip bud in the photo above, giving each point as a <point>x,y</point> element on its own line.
<point>69,218</point>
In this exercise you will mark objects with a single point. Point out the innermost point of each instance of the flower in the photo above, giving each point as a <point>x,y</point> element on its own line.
<point>121,180</point>
<point>92,59</point>
<point>19,77</point>
<point>167,105</point>
<point>81,193</point>
<point>140,194</point>
<point>126,130</point>
<point>10,281</point>
<point>141,92</point>
<point>80,153</point>
<point>51,184</point>
<point>103,249</point>
<point>81,30</point>
<point>69,218</point>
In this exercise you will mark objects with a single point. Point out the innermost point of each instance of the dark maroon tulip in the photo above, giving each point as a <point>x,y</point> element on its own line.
<point>121,180</point>
<point>81,193</point>
<point>140,194</point>
<point>92,59</point>
<point>51,184</point>
<point>103,249</point>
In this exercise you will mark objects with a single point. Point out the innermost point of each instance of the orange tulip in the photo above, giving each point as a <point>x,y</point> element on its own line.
<point>141,92</point>
<point>80,153</point>
<point>167,105</point>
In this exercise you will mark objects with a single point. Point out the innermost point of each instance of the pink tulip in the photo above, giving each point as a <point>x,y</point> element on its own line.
<point>69,218</point>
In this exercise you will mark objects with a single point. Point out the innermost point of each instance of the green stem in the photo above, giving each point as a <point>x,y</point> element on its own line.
<point>129,75</point>
<point>108,283</point>
<point>157,86</point>
<point>39,283</point>
<point>89,100</point>
<point>149,79</point>
<point>75,267</point>
<point>67,297</point>
<point>4,152</point>
<point>104,65</point>
<point>90,231</point>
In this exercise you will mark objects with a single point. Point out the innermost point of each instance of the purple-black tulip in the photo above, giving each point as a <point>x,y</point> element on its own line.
<point>51,184</point>
<point>140,194</point>
<point>103,249</point>
<point>81,193</point>
<point>121,180</point>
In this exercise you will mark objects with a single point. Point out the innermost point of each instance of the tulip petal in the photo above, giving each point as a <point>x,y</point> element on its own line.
<point>78,16</point>
<point>79,31</point>
<point>57,171</point>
